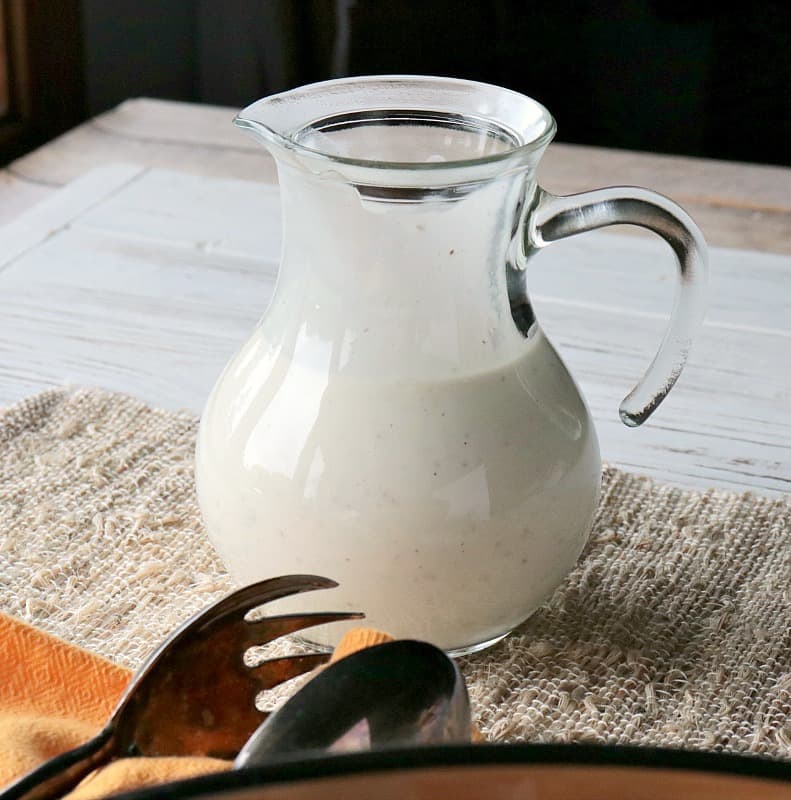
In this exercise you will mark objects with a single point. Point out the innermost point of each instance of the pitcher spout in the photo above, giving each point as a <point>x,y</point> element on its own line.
<point>252,126</point>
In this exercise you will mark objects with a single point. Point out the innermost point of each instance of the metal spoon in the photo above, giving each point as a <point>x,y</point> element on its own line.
<point>399,693</point>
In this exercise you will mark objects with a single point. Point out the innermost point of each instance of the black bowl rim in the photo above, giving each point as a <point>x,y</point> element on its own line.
<point>303,767</point>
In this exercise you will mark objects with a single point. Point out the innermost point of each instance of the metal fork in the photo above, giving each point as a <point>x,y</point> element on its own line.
<point>194,695</point>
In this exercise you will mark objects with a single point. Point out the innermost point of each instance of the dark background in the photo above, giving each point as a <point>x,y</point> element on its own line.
<point>657,75</point>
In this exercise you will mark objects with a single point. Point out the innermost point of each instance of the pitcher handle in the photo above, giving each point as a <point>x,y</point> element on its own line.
<point>555,217</point>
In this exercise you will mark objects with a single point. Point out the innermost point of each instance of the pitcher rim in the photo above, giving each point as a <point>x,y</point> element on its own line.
<point>284,138</point>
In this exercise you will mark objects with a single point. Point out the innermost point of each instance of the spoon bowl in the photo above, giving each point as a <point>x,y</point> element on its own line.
<point>391,695</point>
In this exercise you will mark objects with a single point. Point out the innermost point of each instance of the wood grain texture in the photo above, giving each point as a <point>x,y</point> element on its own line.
<point>146,281</point>
<point>17,195</point>
<point>736,205</point>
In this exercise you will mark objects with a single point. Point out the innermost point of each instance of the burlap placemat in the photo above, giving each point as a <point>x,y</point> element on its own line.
<point>672,631</point>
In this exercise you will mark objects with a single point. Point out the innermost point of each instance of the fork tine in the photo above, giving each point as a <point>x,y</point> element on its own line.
<point>215,618</point>
<point>266,629</point>
<point>275,671</point>
<point>257,594</point>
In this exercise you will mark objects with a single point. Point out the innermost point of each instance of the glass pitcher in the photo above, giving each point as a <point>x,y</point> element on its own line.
<point>398,421</point>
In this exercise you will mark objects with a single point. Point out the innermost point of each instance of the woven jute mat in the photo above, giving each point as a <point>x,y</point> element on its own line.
<point>673,630</point>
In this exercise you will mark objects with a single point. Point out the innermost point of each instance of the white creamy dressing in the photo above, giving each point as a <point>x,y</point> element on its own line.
<point>447,511</point>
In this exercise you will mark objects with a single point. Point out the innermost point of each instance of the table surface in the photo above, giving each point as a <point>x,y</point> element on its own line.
<point>145,277</point>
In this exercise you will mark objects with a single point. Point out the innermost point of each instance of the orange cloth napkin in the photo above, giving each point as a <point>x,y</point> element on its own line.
<point>54,696</point>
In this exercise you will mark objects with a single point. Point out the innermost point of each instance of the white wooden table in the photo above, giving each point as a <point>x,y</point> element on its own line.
<point>145,276</point>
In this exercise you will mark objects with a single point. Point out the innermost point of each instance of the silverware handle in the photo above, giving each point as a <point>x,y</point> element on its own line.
<point>61,774</point>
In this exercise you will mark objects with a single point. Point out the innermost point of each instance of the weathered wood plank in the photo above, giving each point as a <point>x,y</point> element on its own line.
<point>17,196</point>
<point>699,181</point>
<point>745,289</point>
<point>171,121</point>
<point>59,208</point>
<point>565,168</point>
<point>227,216</point>
<point>86,147</point>
<point>152,288</point>
<point>736,205</point>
